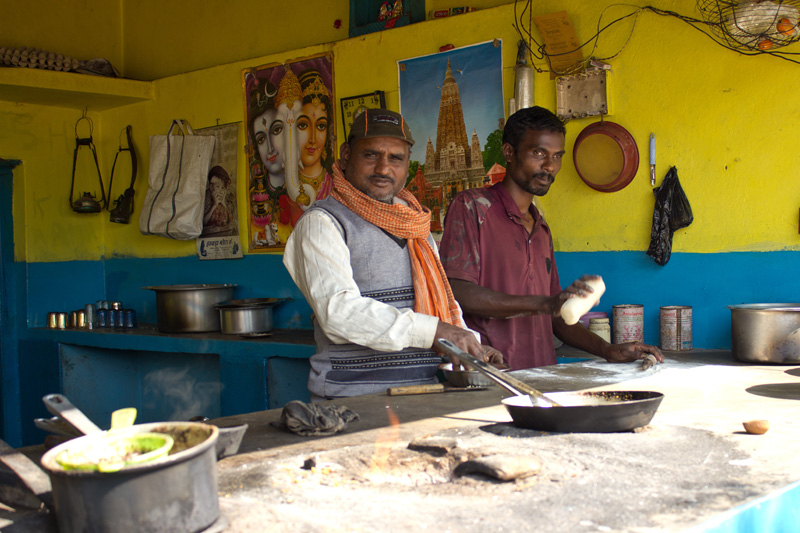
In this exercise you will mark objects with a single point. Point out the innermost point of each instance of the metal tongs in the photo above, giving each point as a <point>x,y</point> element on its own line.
<point>509,383</point>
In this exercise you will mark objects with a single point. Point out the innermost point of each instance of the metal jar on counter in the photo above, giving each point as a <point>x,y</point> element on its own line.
<point>766,333</point>
<point>190,308</point>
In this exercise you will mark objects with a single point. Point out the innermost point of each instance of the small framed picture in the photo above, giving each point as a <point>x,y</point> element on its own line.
<point>354,105</point>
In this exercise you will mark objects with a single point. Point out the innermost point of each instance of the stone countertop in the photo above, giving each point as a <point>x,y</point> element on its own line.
<point>687,469</point>
<point>692,463</point>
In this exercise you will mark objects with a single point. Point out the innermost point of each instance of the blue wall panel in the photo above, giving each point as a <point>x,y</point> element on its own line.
<point>707,282</point>
<point>67,286</point>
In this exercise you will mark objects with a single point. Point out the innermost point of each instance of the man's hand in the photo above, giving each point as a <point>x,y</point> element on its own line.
<point>467,342</point>
<point>579,287</point>
<point>631,351</point>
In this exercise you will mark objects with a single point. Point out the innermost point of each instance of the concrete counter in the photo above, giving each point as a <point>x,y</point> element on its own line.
<point>693,468</point>
<point>688,468</point>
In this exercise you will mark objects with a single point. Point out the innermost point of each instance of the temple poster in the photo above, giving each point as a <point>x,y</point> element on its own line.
<point>290,144</point>
<point>453,103</point>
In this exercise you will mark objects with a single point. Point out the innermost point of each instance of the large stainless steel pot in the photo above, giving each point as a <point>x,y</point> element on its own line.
<point>190,308</point>
<point>766,333</point>
<point>251,315</point>
<point>175,494</point>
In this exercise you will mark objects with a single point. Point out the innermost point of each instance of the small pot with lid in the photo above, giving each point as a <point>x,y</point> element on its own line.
<point>248,316</point>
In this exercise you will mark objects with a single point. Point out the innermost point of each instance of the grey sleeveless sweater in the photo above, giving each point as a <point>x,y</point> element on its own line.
<point>382,271</point>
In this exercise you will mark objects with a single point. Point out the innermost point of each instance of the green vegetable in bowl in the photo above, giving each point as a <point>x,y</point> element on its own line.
<point>111,453</point>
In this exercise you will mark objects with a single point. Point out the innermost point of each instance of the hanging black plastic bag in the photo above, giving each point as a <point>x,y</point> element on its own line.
<point>672,212</point>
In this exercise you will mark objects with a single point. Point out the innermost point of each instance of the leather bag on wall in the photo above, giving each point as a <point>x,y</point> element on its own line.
<point>173,206</point>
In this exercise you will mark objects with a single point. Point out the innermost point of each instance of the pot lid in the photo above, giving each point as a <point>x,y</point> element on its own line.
<point>250,303</point>
<point>190,287</point>
<point>605,156</point>
<point>767,307</point>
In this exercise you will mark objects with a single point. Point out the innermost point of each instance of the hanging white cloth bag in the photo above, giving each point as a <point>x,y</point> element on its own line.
<point>173,206</point>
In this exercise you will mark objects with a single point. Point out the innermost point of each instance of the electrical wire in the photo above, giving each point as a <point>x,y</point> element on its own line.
<point>538,50</point>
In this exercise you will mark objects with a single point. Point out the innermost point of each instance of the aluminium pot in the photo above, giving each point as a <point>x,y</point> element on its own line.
<point>190,308</point>
<point>176,494</point>
<point>766,333</point>
<point>251,315</point>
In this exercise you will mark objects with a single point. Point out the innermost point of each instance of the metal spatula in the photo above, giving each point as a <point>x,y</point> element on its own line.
<point>511,384</point>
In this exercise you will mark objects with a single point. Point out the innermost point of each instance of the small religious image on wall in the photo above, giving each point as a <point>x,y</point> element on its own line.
<point>290,144</point>
<point>453,102</point>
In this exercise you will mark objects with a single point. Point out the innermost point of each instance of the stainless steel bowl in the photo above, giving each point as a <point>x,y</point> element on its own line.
<point>766,333</point>
<point>466,378</point>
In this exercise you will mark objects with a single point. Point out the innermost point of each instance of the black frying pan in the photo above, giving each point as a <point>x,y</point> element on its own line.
<point>573,412</point>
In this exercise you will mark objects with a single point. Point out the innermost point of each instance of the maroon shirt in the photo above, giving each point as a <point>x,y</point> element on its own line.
<point>486,243</point>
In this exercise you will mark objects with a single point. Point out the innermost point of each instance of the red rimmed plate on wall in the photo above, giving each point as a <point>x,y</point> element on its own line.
<point>605,156</point>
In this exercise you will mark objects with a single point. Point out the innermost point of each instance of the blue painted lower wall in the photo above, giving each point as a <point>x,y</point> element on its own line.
<point>706,282</point>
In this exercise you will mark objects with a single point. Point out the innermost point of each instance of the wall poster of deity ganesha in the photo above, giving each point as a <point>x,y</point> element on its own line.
<point>290,146</point>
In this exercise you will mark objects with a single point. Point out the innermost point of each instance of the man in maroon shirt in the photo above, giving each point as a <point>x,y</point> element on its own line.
<point>497,252</point>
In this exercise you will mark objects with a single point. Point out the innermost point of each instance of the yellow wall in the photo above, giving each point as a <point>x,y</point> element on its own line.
<point>81,29</point>
<point>725,120</point>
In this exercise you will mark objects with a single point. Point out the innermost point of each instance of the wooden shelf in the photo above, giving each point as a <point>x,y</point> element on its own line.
<point>69,89</point>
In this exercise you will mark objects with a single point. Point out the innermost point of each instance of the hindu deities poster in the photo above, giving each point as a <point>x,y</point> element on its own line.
<point>290,144</point>
<point>453,102</point>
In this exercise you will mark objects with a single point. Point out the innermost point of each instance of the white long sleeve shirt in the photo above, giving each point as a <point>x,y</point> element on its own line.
<point>318,260</point>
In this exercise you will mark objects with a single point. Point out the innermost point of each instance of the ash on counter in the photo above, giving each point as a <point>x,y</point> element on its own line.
<point>587,482</point>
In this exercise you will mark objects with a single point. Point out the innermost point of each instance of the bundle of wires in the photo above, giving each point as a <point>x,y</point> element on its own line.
<point>735,25</point>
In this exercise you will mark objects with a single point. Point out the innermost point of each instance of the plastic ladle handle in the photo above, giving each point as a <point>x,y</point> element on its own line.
<point>123,418</point>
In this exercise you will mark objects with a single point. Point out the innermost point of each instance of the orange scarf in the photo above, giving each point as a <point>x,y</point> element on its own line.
<point>433,295</point>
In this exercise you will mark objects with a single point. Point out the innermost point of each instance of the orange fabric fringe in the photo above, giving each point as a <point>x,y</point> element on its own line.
<point>433,295</point>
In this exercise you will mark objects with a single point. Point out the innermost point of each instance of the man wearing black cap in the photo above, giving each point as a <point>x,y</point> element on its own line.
<point>365,261</point>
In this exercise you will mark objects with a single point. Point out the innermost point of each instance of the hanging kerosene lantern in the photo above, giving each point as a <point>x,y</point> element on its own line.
<point>87,203</point>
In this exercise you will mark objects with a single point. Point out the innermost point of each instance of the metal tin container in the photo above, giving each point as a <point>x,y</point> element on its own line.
<point>676,327</point>
<point>80,319</point>
<point>628,323</point>
<point>129,318</point>
<point>766,333</point>
<point>113,318</point>
<point>190,308</point>
<point>101,318</point>
<point>91,316</point>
